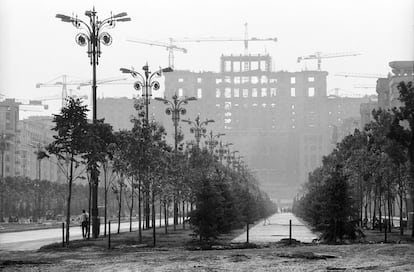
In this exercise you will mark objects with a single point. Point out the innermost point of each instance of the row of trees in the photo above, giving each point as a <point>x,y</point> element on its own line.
<point>147,175</point>
<point>366,176</point>
<point>26,198</point>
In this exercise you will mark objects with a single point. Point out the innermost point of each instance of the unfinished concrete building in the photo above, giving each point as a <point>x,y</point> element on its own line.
<point>281,122</point>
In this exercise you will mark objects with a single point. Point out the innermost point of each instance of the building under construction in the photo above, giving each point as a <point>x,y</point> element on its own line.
<point>282,123</point>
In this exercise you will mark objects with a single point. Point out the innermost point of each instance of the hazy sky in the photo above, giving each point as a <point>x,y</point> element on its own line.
<point>37,47</point>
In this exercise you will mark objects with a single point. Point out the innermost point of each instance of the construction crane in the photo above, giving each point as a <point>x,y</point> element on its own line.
<point>245,40</point>
<point>361,75</point>
<point>64,82</point>
<point>169,46</point>
<point>319,56</point>
<point>365,86</point>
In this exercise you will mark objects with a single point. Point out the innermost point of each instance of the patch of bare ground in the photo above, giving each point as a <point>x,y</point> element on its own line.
<point>180,251</point>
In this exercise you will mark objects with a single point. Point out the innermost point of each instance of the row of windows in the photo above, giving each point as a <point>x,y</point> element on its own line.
<point>228,106</point>
<point>264,92</point>
<point>247,79</point>
<point>237,66</point>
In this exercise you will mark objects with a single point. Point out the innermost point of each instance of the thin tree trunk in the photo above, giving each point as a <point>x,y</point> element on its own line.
<point>374,214</point>
<point>175,213</point>
<point>68,200</point>
<point>139,212</point>
<point>131,210</point>
<point>153,217</point>
<point>183,208</point>
<point>160,212</point>
<point>105,198</point>
<point>401,214</point>
<point>119,207</point>
<point>379,211</point>
<point>166,216</point>
<point>89,209</point>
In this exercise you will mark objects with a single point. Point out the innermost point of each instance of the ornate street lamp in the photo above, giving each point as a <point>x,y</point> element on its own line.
<point>146,82</point>
<point>212,142</point>
<point>92,36</point>
<point>175,109</point>
<point>222,150</point>
<point>198,128</point>
<point>232,158</point>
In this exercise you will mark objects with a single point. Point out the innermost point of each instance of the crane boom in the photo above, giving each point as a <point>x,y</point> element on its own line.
<point>63,81</point>
<point>171,47</point>
<point>245,40</point>
<point>319,56</point>
<point>361,75</point>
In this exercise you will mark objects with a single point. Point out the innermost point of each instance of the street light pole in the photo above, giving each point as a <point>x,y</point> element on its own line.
<point>175,109</point>
<point>146,82</point>
<point>222,150</point>
<point>92,36</point>
<point>198,128</point>
<point>211,142</point>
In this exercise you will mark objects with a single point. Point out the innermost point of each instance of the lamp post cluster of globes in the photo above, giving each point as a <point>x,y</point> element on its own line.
<point>92,34</point>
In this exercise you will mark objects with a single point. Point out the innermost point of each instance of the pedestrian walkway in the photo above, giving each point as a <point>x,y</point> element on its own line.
<point>277,229</point>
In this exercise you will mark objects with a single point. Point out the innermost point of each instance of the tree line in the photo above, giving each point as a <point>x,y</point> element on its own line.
<point>147,176</point>
<point>366,176</point>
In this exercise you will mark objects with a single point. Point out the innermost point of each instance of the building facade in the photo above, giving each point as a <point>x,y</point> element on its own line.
<point>281,122</point>
<point>9,118</point>
<point>35,133</point>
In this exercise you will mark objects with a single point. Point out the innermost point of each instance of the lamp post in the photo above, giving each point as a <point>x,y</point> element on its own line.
<point>146,82</point>
<point>239,163</point>
<point>92,36</point>
<point>212,142</point>
<point>233,158</point>
<point>198,128</point>
<point>223,148</point>
<point>175,109</point>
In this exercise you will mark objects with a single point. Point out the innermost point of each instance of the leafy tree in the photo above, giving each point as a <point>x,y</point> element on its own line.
<point>402,129</point>
<point>68,145</point>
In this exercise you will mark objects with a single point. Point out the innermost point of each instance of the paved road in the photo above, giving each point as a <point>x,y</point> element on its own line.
<point>34,239</point>
<point>278,229</point>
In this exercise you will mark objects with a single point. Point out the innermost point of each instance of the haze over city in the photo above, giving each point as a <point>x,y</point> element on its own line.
<point>279,132</point>
<point>36,48</point>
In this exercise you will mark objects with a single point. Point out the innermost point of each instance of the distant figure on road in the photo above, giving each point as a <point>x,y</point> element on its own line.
<point>266,220</point>
<point>84,218</point>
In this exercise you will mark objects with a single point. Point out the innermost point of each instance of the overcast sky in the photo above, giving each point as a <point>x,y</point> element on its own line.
<point>37,47</point>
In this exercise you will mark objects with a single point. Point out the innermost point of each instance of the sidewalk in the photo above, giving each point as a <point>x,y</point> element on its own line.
<point>277,230</point>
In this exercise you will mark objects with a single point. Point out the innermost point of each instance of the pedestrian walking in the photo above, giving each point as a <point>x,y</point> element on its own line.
<point>84,218</point>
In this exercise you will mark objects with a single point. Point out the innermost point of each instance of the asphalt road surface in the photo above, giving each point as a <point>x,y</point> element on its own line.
<point>34,239</point>
<point>277,228</point>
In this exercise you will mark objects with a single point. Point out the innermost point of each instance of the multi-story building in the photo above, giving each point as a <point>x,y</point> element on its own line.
<point>387,89</point>
<point>9,117</point>
<point>35,133</point>
<point>281,122</point>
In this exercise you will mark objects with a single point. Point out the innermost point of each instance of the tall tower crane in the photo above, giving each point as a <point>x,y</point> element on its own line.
<point>64,82</point>
<point>169,46</point>
<point>319,56</point>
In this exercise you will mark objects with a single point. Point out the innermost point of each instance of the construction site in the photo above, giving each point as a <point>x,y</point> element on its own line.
<point>277,123</point>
